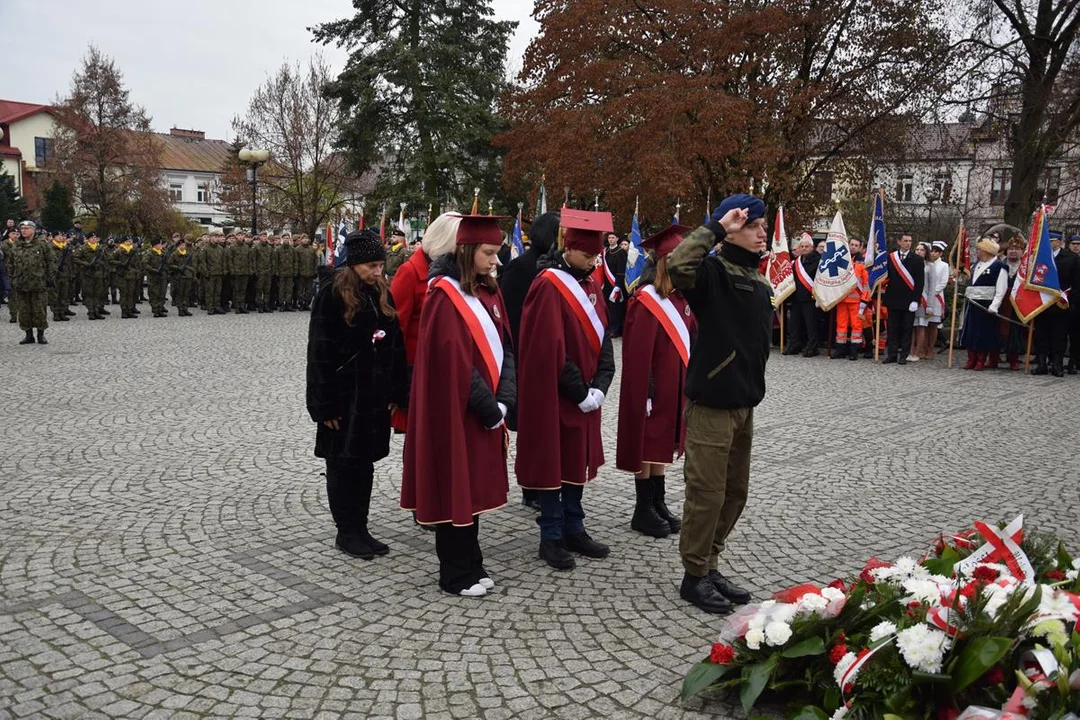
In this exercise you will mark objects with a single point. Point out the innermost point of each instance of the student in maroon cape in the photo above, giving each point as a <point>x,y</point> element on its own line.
<point>567,365</point>
<point>463,384</point>
<point>656,347</point>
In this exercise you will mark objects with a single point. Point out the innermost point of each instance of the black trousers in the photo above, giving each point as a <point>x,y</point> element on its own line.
<point>1074,334</point>
<point>804,326</point>
<point>898,343</point>
<point>616,315</point>
<point>348,491</point>
<point>461,564</point>
<point>1052,332</point>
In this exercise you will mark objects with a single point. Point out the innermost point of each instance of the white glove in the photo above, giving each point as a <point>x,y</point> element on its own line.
<point>503,409</point>
<point>597,396</point>
<point>862,308</point>
<point>648,407</point>
<point>615,294</point>
<point>913,306</point>
<point>994,308</point>
<point>588,405</point>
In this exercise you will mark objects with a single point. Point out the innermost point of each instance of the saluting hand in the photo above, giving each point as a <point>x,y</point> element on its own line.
<point>334,424</point>
<point>734,219</point>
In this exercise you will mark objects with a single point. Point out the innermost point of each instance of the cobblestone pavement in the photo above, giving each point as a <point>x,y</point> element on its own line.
<point>166,551</point>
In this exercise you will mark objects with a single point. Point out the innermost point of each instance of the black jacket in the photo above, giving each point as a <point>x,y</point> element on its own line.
<point>353,374</point>
<point>482,402</point>
<point>732,303</point>
<point>897,295</point>
<point>810,262</point>
<point>516,278</point>
<point>1068,268</point>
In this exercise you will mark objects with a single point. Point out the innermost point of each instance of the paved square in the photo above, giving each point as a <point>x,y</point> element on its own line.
<point>166,551</point>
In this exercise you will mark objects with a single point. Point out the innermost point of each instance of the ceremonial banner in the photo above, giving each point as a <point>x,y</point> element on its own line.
<point>541,201</point>
<point>1037,286</point>
<point>635,256</point>
<point>330,244</point>
<point>877,249</point>
<point>517,246</point>
<point>339,251</point>
<point>779,271</point>
<point>836,275</point>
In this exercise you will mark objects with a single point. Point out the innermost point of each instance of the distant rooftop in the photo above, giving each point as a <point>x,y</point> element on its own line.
<point>190,150</point>
<point>12,111</point>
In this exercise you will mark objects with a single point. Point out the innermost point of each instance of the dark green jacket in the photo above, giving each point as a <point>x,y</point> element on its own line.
<point>29,265</point>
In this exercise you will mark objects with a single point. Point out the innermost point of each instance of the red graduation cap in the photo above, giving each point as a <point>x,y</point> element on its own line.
<point>480,230</point>
<point>666,240</point>
<point>585,230</point>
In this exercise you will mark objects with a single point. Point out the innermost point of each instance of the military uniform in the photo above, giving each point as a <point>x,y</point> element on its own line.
<point>262,267</point>
<point>31,276</point>
<point>181,272</point>
<point>92,261</point>
<point>307,268</point>
<point>285,269</point>
<point>155,266</point>
<point>212,259</point>
<point>127,271</point>
<point>64,269</point>
<point>239,262</point>
<point>395,258</point>
<point>13,302</point>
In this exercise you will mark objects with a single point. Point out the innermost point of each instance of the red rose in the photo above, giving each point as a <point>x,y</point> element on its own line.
<point>969,590</point>
<point>872,564</point>
<point>994,676</point>
<point>841,638</point>
<point>1056,575</point>
<point>837,654</point>
<point>849,688</point>
<point>722,654</point>
<point>985,574</point>
<point>838,584</point>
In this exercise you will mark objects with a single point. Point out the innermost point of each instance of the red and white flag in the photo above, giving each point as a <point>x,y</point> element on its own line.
<point>779,271</point>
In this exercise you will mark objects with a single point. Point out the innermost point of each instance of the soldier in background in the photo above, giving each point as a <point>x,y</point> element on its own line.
<point>155,265</point>
<point>181,271</point>
<point>64,269</point>
<point>262,267</point>
<point>239,257</point>
<point>31,276</point>
<point>127,270</point>
<point>92,262</point>
<point>12,234</point>
<point>113,288</point>
<point>213,265</point>
<point>396,254</point>
<point>285,267</point>
<point>306,270</point>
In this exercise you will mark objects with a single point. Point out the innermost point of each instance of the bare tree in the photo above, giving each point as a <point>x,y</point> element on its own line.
<point>305,181</point>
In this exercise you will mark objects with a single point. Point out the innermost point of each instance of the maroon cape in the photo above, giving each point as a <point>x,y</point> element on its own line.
<point>454,467</point>
<point>409,288</point>
<point>556,442</point>
<point>649,356</point>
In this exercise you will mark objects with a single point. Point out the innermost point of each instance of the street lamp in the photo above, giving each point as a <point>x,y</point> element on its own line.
<point>253,159</point>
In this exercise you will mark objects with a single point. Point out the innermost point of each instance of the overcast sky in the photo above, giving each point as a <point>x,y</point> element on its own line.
<point>191,64</point>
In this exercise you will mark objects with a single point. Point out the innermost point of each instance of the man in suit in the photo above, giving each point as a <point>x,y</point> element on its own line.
<point>805,316</point>
<point>901,298</point>
<point>1052,324</point>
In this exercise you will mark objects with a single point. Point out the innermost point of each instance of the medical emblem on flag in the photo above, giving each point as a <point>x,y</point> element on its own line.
<point>835,276</point>
<point>1037,285</point>
<point>779,270</point>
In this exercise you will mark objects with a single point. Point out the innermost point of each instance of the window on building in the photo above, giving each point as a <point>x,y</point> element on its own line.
<point>43,150</point>
<point>1000,185</point>
<point>905,188</point>
<point>823,186</point>
<point>176,191</point>
<point>202,192</point>
<point>943,187</point>
<point>1050,187</point>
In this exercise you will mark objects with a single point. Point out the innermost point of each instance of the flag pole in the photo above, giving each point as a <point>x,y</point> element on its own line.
<point>780,309</point>
<point>877,322</point>
<point>1027,353</point>
<point>956,293</point>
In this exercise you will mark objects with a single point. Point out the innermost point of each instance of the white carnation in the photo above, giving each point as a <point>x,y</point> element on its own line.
<point>832,594</point>
<point>843,666</point>
<point>812,603</point>
<point>754,638</point>
<point>922,647</point>
<point>841,712</point>
<point>777,633</point>
<point>924,591</point>
<point>783,613</point>
<point>882,630</point>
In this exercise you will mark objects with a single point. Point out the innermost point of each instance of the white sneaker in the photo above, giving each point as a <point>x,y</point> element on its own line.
<point>912,358</point>
<point>487,583</point>
<point>476,590</point>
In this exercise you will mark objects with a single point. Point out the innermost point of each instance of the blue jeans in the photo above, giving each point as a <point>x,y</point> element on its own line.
<point>561,512</point>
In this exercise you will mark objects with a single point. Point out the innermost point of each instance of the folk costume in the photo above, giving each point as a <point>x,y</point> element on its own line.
<point>655,351</point>
<point>567,365</point>
<point>988,287</point>
<point>456,442</point>
<point>354,373</point>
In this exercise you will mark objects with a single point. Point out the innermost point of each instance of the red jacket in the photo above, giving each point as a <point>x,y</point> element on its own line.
<point>409,288</point>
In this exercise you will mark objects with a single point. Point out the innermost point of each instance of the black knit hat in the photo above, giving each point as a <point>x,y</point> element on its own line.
<point>363,246</point>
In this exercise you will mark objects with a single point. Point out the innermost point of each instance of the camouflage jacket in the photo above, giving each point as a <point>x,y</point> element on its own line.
<point>262,254</point>
<point>29,265</point>
<point>155,263</point>
<point>126,263</point>
<point>62,260</point>
<point>284,261</point>
<point>238,257</point>
<point>308,262</point>
<point>93,262</point>
<point>182,263</point>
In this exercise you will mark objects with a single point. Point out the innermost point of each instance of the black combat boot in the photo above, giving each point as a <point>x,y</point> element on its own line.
<point>41,337</point>
<point>645,519</point>
<point>353,544</point>
<point>582,544</point>
<point>853,351</point>
<point>661,507</point>
<point>839,351</point>
<point>728,589</point>
<point>703,594</point>
<point>29,339</point>
<point>868,340</point>
<point>1057,363</point>
<point>1040,366</point>
<point>554,554</point>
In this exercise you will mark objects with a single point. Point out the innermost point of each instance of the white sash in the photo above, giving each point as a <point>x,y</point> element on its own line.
<point>674,317</point>
<point>899,265</point>
<point>567,281</point>
<point>804,277</point>
<point>494,343</point>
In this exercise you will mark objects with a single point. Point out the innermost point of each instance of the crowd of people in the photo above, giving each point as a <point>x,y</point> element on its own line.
<point>465,358</point>
<point>53,270</point>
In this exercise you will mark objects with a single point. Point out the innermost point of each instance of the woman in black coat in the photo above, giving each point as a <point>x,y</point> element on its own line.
<point>356,375</point>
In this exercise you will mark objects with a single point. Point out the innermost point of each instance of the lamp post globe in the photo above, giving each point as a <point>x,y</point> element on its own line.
<point>253,159</point>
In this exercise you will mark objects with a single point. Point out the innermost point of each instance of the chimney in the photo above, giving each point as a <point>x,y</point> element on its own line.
<point>189,134</point>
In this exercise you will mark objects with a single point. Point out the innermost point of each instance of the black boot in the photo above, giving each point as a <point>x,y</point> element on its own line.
<point>353,544</point>
<point>29,339</point>
<point>554,554</point>
<point>792,350</point>
<point>839,351</point>
<point>645,519</point>
<point>41,337</point>
<point>1071,367</point>
<point>674,523</point>
<point>700,592</point>
<point>362,501</point>
<point>868,341</point>
<point>853,351</point>
<point>1040,366</point>
<point>728,589</point>
<point>582,544</point>
<point>1057,366</point>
